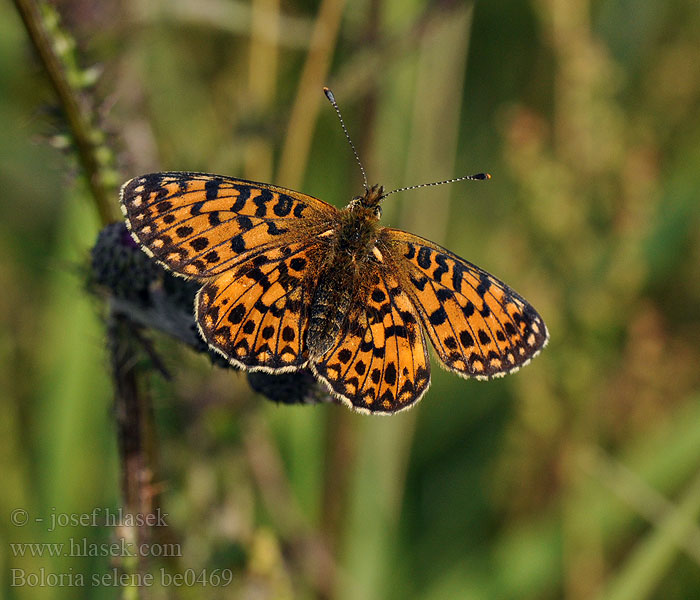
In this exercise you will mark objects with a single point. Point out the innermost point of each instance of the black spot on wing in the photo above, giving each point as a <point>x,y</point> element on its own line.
<point>390,373</point>
<point>237,243</point>
<point>261,202</point>
<point>241,199</point>
<point>457,276</point>
<point>211,188</point>
<point>444,294</point>
<point>469,309</point>
<point>283,206</point>
<point>466,339</point>
<point>438,317</point>
<point>442,267</point>
<point>237,313</point>
<point>378,296</point>
<point>199,243</point>
<point>272,229</point>
<point>419,283</point>
<point>244,223</point>
<point>212,257</point>
<point>424,257</point>
<point>297,263</point>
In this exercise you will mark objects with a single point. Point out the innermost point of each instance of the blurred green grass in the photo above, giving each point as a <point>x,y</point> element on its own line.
<point>575,478</point>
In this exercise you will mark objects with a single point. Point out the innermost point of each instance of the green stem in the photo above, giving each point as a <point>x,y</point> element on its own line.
<point>92,153</point>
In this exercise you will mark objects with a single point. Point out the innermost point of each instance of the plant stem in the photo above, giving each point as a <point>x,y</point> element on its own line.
<point>135,436</point>
<point>89,140</point>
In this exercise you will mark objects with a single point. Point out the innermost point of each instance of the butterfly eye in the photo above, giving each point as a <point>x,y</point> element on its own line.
<point>378,212</point>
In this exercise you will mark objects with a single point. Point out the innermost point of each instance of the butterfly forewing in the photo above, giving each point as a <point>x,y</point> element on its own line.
<point>477,324</point>
<point>380,361</point>
<point>201,225</point>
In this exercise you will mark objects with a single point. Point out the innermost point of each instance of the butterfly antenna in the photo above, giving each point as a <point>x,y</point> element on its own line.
<point>331,99</point>
<point>477,176</point>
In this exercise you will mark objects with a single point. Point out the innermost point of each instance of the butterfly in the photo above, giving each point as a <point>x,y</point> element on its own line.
<point>289,282</point>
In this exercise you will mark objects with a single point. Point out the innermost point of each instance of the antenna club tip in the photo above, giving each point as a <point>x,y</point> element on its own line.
<point>487,175</point>
<point>481,176</point>
<point>328,93</point>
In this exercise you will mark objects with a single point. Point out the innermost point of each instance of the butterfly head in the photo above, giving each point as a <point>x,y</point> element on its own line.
<point>368,204</point>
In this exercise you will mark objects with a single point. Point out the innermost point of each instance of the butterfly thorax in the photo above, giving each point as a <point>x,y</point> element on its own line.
<point>351,245</point>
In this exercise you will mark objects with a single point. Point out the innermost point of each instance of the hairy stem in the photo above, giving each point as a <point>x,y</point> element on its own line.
<point>94,155</point>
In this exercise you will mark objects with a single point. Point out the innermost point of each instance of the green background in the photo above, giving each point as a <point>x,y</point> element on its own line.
<point>578,477</point>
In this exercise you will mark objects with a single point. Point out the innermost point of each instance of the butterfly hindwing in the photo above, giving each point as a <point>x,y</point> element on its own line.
<point>477,324</point>
<point>201,225</point>
<point>256,314</point>
<point>379,363</point>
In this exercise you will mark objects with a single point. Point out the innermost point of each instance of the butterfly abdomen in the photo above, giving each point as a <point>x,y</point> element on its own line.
<point>331,303</point>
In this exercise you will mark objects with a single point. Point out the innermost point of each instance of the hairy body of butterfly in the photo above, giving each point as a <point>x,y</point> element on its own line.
<point>289,281</point>
<point>350,255</point>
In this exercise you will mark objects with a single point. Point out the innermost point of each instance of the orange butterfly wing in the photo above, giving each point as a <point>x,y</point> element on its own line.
<point>477,324</point>
<point>201,225</point>
<point>380,361</point>
<point>257,313</point>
